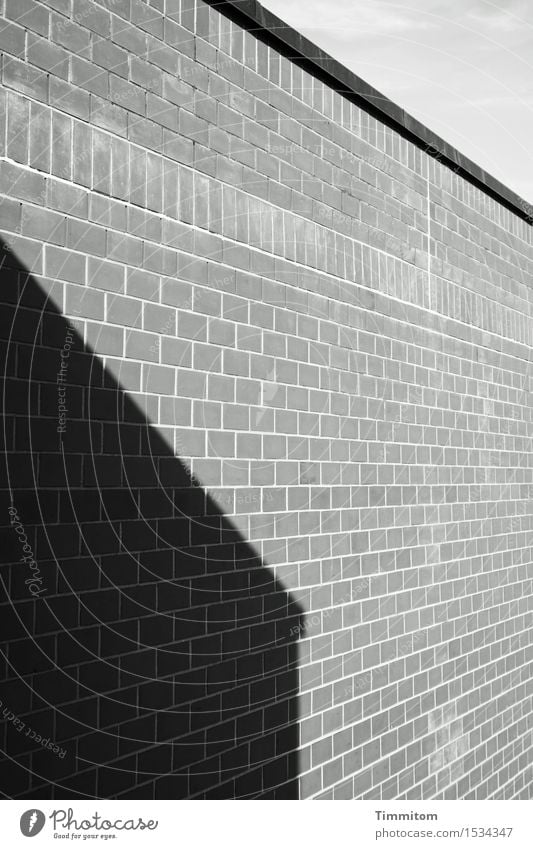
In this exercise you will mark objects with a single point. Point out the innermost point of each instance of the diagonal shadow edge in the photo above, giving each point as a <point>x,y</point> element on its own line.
<point>205,615</point>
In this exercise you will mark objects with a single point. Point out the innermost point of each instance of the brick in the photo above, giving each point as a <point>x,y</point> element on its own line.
<point>91,17</point>
<point>128,36</point>
<point>178,37</point>
<point>191,384</point>
<point>107,212</point>
<point>40,132</point>
<point>105,275</point>
<point>205,107</point>
<point>143,284</point>
<point>207,357</point>
<point>170,188</point>
<point>142,346</point>
<point>145,75</point>
<point>126,311</point>
<point>69,98</point>
<point>29,14</point>
<point>235,473</point>
<point>27,251</point>
<point>89,76</point>
<point>161,112</point>
<point>109,117</point>
<point>193,128</point>
<point>178,91</point>
<point>130,97</point>
<point>65,265</point>
<point>84,302</point>
<point>159,379</point>
<point>106,340</point>
<point>24,78</point>
<point>3,119</point>
<point>101,162</point>
<point>145,132</point>
<point>159,319</point>
<point>192,269</point>
<point>65,198</point>
<point>177,352</point>
<point>86,237</point>
<point>186,196</point>
<point>70,36</point>
<point>124,248</point>
<point>10,215</point>
<point>236,417</point>
<point>12,39</point>
<point>240,422</point>
<point>147,18</point>
<point>207,301</point>
<point>190,443</point>
<point>137,177</point>
<point>61,134</point>
<point>206,414</point>
<point>144,224</point>
<point>163,56</point>
<point>44,225</point>
<point>159,259</point>
<point>47,56</point>
<point>154,199</point>
<point>119,168</point>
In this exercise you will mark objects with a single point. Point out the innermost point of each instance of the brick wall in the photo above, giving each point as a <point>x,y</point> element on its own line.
<point>267,523</point>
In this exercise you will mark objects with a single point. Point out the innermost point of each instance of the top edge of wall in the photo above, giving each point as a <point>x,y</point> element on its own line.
<point>288,41</point>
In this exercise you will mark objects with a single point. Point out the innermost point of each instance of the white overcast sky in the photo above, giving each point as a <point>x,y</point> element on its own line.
<point>464,68</point>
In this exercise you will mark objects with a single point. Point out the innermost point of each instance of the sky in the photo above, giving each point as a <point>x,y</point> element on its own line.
<point>464,68</point>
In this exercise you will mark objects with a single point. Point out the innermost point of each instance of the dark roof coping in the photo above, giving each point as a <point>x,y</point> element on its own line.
<point>269,28</point>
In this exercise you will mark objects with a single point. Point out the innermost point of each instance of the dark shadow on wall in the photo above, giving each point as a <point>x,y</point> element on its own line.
<point>146,649</point>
